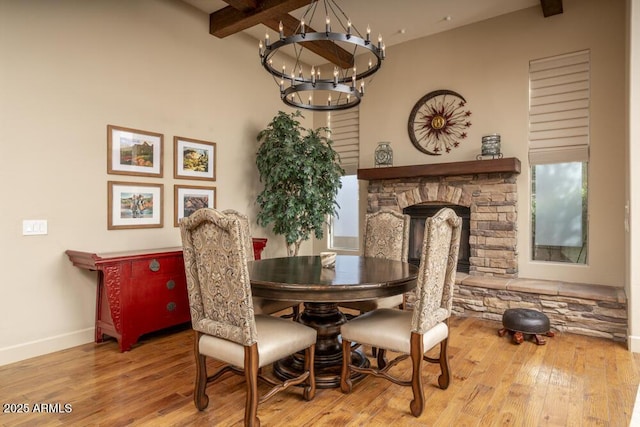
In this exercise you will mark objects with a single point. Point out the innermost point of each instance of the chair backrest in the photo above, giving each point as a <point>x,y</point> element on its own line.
<point>246,230</point>
<point>218,284</point>
<point>386,235</point>
<point>437,273</point>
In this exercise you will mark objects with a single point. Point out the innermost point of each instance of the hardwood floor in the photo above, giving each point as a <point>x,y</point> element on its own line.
<point>571,381</point>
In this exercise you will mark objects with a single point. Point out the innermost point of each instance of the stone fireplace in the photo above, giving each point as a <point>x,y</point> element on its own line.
<point>486,187</point>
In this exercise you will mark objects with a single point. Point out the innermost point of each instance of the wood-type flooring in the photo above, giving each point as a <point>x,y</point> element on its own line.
<point>573,380</point>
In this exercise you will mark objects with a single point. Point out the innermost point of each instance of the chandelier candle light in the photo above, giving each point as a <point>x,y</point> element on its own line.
<point>301,85</point>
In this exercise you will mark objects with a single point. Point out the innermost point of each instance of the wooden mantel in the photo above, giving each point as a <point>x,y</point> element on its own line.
<point>472,167</point>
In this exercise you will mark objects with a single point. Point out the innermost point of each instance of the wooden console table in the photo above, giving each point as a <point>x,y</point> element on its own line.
<point>139,291</point>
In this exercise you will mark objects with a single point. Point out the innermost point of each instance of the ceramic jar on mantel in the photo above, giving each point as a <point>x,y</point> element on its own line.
<point>383,155</point>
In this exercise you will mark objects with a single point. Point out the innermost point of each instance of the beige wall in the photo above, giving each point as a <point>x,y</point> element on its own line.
<point>69,68</point>
<point>487,63</point>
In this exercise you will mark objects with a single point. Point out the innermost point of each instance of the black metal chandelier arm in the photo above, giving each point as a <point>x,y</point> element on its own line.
<point>353,96</point>
<point>271,49</point>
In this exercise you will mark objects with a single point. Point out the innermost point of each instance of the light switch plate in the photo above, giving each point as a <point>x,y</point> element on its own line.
<point>34,227</point>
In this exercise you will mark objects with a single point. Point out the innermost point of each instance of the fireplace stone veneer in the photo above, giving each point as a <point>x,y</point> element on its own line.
<point>486,187</point>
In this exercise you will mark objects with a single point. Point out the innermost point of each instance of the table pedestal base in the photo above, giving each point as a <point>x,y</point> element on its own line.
<point>325,318</point>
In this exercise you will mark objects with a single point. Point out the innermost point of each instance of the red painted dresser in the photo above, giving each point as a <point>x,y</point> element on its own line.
<point>139,291</point>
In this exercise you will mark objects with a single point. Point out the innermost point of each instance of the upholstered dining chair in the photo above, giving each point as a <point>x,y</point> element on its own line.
<point>386,235</point>
<point>261,305</point>
<point>413,333</point>
<point>222,316</point>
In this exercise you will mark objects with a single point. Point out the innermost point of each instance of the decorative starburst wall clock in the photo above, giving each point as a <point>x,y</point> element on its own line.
<point>438,122</point>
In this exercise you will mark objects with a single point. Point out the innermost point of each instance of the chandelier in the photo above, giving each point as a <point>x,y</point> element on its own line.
<point>335,83</point>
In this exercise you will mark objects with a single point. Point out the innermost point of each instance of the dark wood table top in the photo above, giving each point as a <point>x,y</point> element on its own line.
<point>355,278</point>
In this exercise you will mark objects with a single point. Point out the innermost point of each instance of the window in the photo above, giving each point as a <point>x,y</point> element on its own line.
<point>344,227</point>
<point>559,206</point>
<point>559,153</point>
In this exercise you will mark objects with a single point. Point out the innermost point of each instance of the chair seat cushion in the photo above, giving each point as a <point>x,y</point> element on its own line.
<point>390,329</point>
<point>277,338</point>
<point>364,306</point>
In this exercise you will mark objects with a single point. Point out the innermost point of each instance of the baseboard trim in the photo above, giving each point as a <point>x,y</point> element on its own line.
<point>16,353</point>
<point>633,343</point>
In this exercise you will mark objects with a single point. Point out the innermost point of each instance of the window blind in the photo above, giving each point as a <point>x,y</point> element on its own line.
<point>559,97</point>
<point>345,133</point>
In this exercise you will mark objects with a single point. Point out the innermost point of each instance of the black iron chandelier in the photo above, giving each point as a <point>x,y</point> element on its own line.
<point>348,59</point>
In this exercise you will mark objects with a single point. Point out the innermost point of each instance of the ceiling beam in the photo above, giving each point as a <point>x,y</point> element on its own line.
<point>243,14</point>
<point>551,7</point>
<point>230,20</point>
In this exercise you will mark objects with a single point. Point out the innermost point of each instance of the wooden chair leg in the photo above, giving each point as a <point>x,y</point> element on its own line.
<point>445,377</point>
<point>251,378</point>
<point>309,360</point>
<point>345,374</point>
<point>417,352</point>
<point>200,398</point>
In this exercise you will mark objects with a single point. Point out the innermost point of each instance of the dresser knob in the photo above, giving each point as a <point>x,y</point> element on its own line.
<point>154,265</point>
<point>171,306</point>
<point>171,284</point>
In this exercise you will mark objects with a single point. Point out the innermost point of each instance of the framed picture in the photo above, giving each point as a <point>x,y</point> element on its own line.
<point>194,159</point>
<point>188,199</point>
<point>134,152</point>
<point>134,205</point>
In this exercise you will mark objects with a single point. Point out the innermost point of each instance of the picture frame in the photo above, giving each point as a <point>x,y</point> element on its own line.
<point>194,159</point>
<point>134,152</point>
<point>134,205</point>
<point>189,198</point>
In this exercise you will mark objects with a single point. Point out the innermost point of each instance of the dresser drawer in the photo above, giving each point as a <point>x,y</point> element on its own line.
<point>160,301</point>
<point>157,265</point>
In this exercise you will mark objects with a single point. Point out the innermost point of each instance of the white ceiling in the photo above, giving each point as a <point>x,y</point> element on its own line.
<point>402,20</point>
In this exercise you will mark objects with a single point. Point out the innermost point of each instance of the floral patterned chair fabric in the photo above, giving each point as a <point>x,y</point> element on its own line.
<point>386,235</point>
<point>222,313</point>
<point>261,305</point>
<point>413,333</point>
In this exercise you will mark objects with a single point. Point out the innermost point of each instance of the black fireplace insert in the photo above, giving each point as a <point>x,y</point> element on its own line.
<point>419,214</point>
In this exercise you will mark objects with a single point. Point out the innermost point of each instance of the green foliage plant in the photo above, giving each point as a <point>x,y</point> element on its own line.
<point>301,174</point>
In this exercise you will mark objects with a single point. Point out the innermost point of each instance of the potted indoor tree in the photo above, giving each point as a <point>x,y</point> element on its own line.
<point>301,174</point>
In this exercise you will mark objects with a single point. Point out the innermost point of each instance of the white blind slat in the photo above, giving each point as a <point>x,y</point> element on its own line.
<point>559,107</point>
<point>560,97</point>
<point>559,142</point>
<point>565,60</point>
<point>559,116</point>
<point>577,88</point>
<point>560,80</point>
<point>559,155</point>
<point>582,122</point>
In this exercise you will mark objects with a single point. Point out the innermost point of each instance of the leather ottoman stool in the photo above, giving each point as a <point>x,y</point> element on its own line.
<point>523,321</point>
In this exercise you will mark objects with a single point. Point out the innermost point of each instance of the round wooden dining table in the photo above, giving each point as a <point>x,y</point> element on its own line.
<point>302,278</point>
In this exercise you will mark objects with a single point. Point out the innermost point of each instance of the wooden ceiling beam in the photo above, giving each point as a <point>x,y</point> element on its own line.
<point>551,7</point>
<point>230,20</point>
<point>243,14</point>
